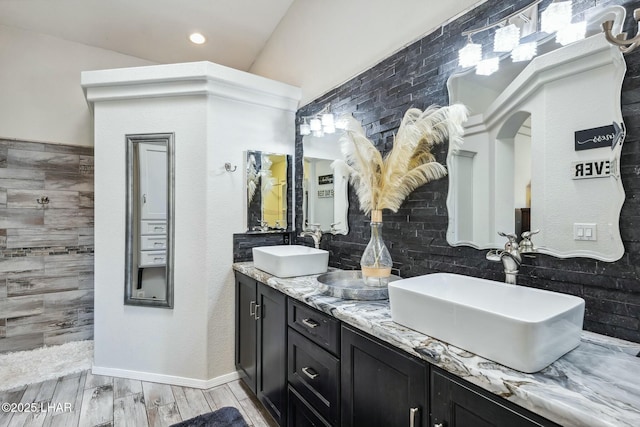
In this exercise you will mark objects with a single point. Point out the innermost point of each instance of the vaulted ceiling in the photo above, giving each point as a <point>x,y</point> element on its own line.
<point>314,44</point>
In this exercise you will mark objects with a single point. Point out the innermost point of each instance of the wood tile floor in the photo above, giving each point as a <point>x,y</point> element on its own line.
<point>86,400</point>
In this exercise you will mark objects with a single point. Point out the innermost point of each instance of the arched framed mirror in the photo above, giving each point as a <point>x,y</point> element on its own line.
<point>149,220</point>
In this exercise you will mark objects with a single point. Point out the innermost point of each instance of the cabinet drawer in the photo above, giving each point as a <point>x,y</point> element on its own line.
<point>153,258</point>
<point>314,374</point>
<point>153,227</point>
<point>301,414</point>
<point>318,327</point>
<point>148,243</point>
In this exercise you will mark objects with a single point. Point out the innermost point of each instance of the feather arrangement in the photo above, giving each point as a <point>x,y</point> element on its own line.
<point>384,182</point>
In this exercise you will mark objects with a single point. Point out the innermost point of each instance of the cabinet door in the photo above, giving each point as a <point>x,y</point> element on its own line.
<point>246,327</point>
<point>457,403</point>
<point>381,387</point>
<point>271,312</point>
<point>153,181</point>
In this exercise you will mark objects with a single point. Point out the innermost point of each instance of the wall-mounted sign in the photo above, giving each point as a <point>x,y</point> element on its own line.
<point>591,169</point>
<point>325,194</point>
<point>325,179</point>
<point>603,136</point>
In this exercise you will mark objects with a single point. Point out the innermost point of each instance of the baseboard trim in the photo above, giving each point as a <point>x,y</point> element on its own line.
<point>166,379</point>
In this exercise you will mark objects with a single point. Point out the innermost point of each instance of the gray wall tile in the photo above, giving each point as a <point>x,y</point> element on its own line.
<point>67,218</point>
<point>21,264</point>
<point>49,322</point>
<point>22,306</point>
<point>46,253</point>
<point>16,218</point>
<point>62,336</point>
<point>21,342</point>
<point>28,199</point>
<point>41,237</point>
<point>68,264</point>
<point>35,285</point>
<point>68,181</point>
<point>42,161</point>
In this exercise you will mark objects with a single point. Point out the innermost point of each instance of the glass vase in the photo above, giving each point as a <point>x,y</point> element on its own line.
<point>376,261</point>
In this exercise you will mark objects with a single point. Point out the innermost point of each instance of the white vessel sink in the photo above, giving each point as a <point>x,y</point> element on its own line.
<point>290,260</point>
<point>522,328</point>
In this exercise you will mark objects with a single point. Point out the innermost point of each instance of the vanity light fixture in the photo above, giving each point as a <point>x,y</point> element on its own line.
<point>506,38</point>
<point>320,123</point>
<point>197,38</point>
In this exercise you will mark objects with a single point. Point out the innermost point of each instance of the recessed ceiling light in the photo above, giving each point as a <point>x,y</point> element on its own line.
<point>197,38</point>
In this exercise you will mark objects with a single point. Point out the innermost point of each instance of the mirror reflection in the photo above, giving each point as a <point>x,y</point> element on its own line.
<point>516,169</point>
<point>325,199</point>
<point>149,278</point>
<point>267,191</point>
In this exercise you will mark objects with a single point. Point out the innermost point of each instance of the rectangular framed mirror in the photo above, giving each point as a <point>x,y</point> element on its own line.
<point>268,191</point>
<point>325,180</point>
<point>149,220</point>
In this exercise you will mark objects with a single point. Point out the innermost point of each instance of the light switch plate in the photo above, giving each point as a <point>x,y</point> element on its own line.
<point>585,231</point>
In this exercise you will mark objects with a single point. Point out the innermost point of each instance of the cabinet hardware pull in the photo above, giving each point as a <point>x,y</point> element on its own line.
<point>310,372</point>
<point>412,416</point>
<point>310,323</point>
<point>258,309</point>
<point>252,308</point>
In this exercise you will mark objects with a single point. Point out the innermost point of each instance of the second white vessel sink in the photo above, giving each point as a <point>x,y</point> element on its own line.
<point>523,328</point>
<point>290,260</point>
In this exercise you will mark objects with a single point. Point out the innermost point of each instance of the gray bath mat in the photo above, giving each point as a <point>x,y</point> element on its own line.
<point>223,417</point>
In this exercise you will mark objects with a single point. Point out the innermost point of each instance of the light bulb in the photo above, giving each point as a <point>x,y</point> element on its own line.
<point>470,55</point>
<point>506,38</point>
<point>556,16</point>
<point>488,66</point>
<point>524,52</point>
<point>571,33</point>
<point>315,124</point>
<point>327,120</point>
<point>305,129</point>
<point>197,38</point>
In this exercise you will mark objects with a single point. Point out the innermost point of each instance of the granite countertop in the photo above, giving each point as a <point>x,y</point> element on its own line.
<point>598,383</point>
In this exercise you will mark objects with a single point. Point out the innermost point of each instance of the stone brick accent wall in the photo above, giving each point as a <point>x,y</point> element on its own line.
<point>416,77</point>
<point>46,250</point>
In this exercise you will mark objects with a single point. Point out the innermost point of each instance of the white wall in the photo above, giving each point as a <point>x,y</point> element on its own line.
<point>320,44</point>
<point>193,343</point>
<point>142,339</point>
<point>40,86</point>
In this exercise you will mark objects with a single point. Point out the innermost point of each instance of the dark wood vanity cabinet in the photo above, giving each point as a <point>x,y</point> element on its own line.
<point>308,369</point>
<point>261,343</point>
<point>381,387</point>
<point>457,403</point>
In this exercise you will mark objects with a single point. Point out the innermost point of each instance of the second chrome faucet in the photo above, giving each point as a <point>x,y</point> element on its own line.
<point>511,256</point>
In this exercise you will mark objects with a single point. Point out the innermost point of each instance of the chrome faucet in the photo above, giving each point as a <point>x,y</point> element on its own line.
<point>313,232</point>
<point>264,226</point>
<point>511,256</point>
